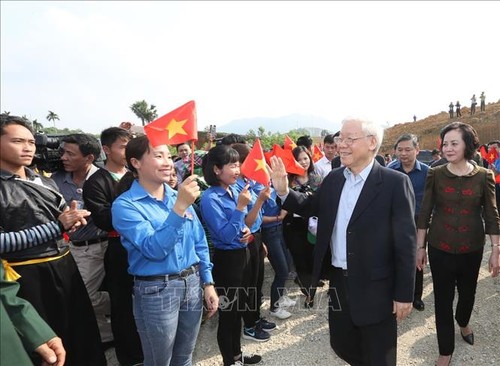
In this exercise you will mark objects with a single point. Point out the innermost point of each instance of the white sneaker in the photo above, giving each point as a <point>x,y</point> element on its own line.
<point>285,301</point>
<point>280,313</point>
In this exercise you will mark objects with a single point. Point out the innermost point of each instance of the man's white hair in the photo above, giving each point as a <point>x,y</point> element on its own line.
<point>369,128</point>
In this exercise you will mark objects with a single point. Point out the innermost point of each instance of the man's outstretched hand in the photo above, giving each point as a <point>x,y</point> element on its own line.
<point>279,176</point>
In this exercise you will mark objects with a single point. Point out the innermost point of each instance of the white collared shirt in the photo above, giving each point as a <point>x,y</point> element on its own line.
<point>323,166</point>
<point>348,199</point>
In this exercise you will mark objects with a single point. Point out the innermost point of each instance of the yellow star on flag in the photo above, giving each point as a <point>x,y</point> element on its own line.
<point>174,127</point>
<point>261,164</point>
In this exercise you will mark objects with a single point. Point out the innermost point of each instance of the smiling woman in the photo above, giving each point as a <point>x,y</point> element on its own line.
<point>167,253</point>
<point>464,196</point>
<point>223,208</point>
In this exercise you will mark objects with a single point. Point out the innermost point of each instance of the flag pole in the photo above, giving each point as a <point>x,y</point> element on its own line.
<point>192,157</point>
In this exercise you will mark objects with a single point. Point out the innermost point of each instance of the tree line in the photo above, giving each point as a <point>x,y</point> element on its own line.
<point>147,113</point>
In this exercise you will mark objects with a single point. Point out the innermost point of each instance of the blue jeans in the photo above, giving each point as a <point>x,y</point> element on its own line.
<point>276,247</point>
<point>168,318</point>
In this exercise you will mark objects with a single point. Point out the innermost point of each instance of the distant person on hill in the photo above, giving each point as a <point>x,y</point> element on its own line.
<point>473,103</point>
<point>414,118</point>
<point>457,106</point>
<point>482,97</point>
<point>451,109</point>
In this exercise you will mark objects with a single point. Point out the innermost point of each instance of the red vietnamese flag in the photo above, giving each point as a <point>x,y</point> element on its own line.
<point>317,153</point>
<point>268,155</point>
<point>492,155</point>
<point>174,127</point>
<point>483,152</point>
<point>254,166</point>
<point>291,164</point>
<point>289,144</point>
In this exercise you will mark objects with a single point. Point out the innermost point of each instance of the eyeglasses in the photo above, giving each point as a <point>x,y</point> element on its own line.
<point>348,141</point>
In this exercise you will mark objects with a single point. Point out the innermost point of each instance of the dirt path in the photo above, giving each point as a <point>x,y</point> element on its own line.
<point>303,339</point>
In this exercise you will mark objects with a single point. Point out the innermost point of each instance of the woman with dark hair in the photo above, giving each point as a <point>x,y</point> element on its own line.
<point>311,179</point>
<point>223,210</point>
<point>255,327</point>
<point>458,195</point>
<point>167,254</point>
<point>295,227</point>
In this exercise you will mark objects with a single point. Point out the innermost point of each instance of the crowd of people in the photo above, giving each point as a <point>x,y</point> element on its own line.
<point>135,253</point>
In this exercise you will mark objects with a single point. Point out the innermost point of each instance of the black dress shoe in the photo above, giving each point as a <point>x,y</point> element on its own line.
<point>469,338</point>
<point>419,305</point>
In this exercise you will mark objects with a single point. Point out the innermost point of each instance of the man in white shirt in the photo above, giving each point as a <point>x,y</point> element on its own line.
<point>324,165</point>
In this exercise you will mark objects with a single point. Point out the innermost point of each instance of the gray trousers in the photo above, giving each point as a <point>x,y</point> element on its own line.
<point>90,262</point>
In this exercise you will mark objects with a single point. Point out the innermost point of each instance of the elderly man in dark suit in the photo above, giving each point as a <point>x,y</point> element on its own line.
<point>366,242</point>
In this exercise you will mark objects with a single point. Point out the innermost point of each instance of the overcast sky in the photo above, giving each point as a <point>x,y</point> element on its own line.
<point>89,61</point>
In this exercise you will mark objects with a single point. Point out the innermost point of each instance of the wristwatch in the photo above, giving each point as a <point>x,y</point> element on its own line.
<point>205,284</point>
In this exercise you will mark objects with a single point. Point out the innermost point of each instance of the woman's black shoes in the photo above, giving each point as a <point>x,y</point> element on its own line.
<point>469,338</point>
<point>449,360</point>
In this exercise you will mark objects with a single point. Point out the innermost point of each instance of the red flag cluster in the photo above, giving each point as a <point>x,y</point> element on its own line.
<point>254,166</point>
<point>490,156</point>
<point>286,156</point>
<point>174,127</point>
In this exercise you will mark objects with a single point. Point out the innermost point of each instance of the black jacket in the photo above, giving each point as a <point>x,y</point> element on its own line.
<point>381,239</point>
<point>25,204</point>
<point>98,195</point>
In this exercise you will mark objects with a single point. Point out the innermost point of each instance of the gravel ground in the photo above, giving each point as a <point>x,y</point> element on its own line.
<point>303,339</point>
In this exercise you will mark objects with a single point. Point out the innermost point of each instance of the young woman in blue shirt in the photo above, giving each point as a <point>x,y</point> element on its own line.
<point>224,209</point>
<point>167,254</point>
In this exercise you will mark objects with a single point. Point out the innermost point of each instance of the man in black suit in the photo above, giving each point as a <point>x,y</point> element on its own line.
<point>366,242</point>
